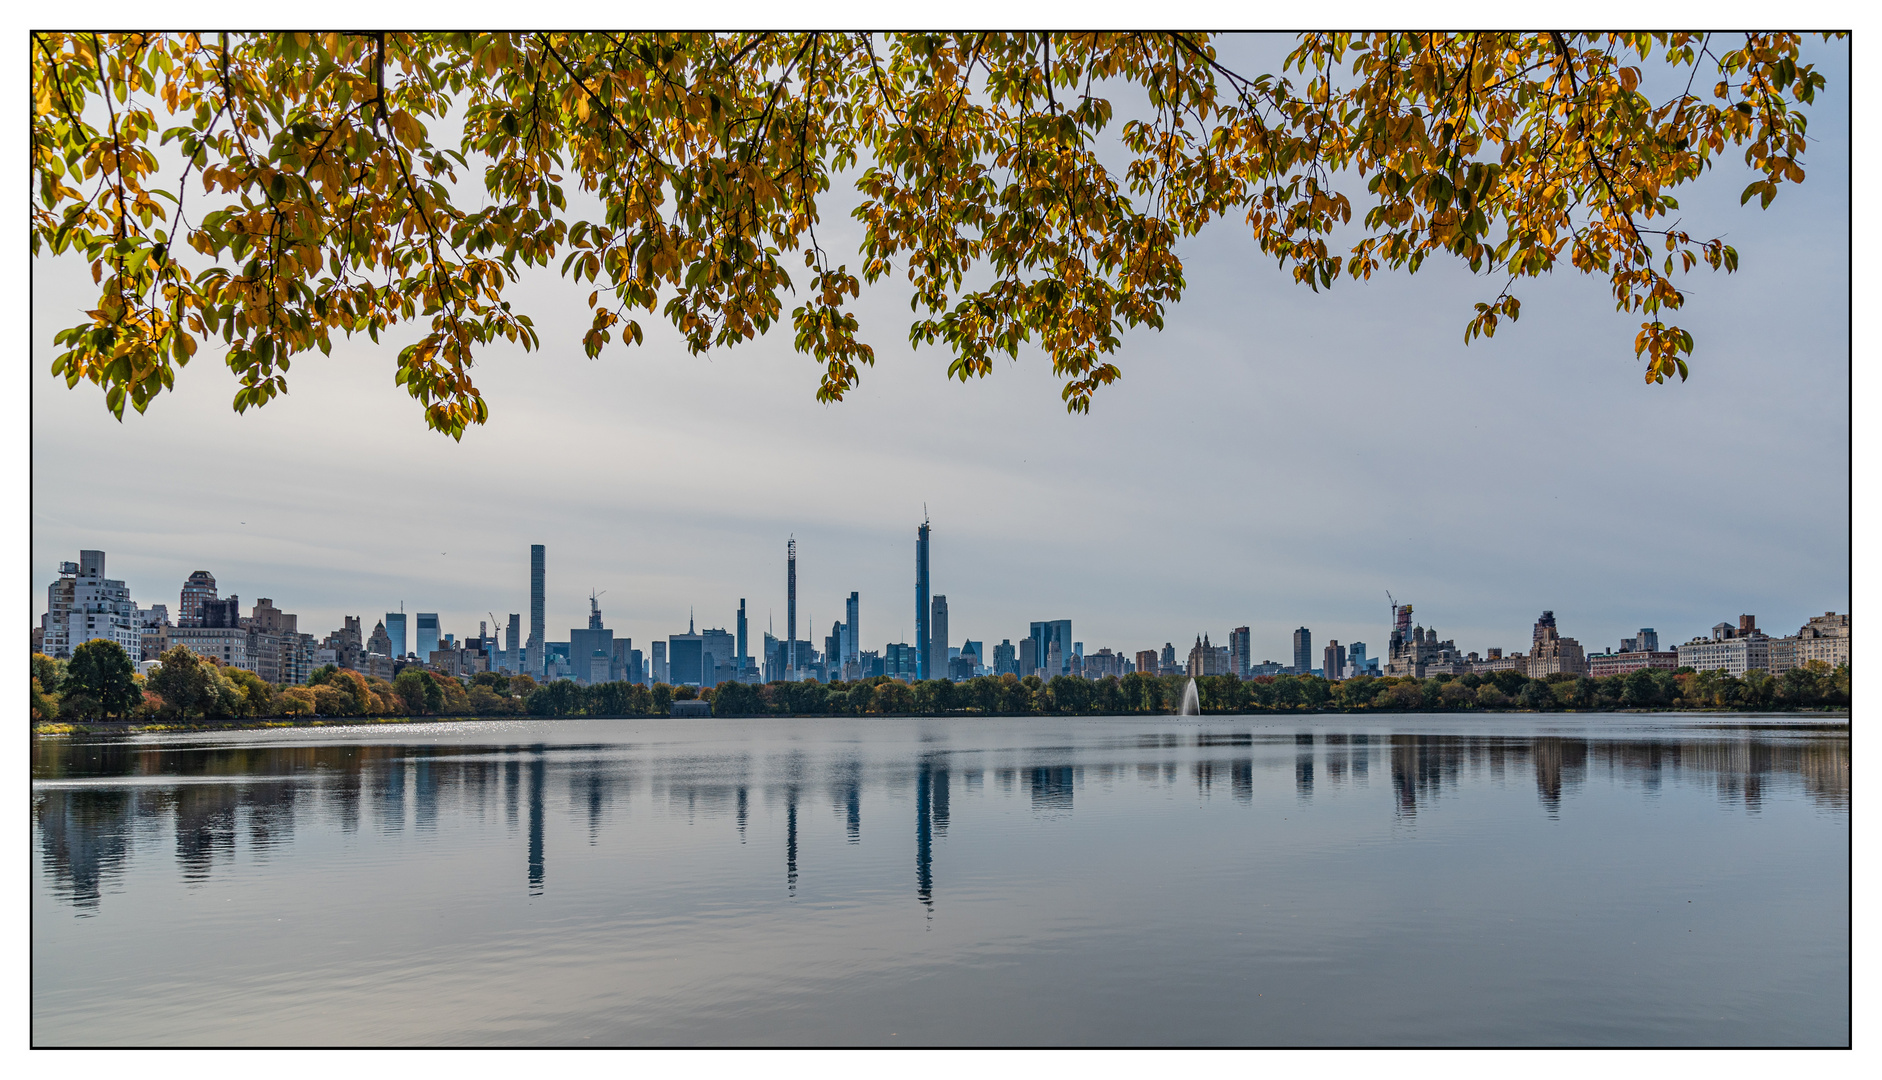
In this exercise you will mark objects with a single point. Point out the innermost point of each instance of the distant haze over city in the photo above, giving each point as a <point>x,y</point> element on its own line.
<point>1273,458</point>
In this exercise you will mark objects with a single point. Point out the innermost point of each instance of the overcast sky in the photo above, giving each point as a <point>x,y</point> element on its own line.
<point>1273,458</point>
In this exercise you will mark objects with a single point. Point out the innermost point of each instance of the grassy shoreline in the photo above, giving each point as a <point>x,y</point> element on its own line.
<point>1835,718</point>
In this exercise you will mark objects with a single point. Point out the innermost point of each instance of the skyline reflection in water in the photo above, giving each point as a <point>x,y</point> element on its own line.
<point>625,814</point>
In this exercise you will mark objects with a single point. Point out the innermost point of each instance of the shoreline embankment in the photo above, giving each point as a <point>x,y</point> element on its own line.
<point>1833,719</point>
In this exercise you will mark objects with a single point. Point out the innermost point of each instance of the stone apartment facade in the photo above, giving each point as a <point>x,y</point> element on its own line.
<point>1421,655</point>
<point>1550,653</point>
<point>1734,650</point>
<point>1602,665</point>
<point>1825,637</point>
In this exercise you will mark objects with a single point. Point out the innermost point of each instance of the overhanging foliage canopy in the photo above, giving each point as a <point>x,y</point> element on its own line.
<point>322,198</point>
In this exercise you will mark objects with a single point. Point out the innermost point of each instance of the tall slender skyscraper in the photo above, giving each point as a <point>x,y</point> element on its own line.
<point>921,600</point>
<point>744,656</point>
<point>853,646</point>
<point>938,637</point>
<point>790,609</point>
<point>536,629</point>
<point>1303,651</point>
<point>512,655</point>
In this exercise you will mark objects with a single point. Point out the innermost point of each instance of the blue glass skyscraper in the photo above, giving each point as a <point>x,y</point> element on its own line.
<point>1044,636</point>
<point>395,629</point>
<point>921,601</point>
<point>852,644</point>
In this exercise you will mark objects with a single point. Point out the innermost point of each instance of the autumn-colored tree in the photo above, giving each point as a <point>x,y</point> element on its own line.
<point>893,696</point>
<point>295,701</point>
<point>183,680</point>
<point>418,693</point>
<point>255,697</point>
<point>331,699</point>
<point>49,672</point>
<point>485,702</point>
<point>47,676</point>
<point>308,198</point>
<point>452,700</point>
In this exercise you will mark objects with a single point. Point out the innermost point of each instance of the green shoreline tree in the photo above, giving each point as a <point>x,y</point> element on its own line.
<point>190,689</point>
<point>322,205</point>
<point>101,675</point>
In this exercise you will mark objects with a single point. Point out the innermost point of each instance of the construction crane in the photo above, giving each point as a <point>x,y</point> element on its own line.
<point>594,607</point>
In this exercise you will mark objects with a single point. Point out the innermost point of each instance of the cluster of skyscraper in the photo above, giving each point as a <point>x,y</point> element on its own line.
<point>84,605</point>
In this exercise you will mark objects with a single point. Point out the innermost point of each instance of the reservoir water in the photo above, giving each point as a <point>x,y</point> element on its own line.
<point>1332,880</point>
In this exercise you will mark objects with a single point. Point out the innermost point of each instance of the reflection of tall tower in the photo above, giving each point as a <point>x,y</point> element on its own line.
<point>922,670</point>
<point>536,629</point>
<point>924,839</point>
<point>853,801</point>
<point>940,800</point>
<point>790,839</point>
<point>392,797</point>
<point>790,610</point>
<point>512,784</point>
<point>425,790</point>
<point>931,820</point>
<point>1303,765</point>
<point>535,821</point>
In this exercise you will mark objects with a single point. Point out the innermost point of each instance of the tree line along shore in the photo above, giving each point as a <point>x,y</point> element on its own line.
<point>97,686</point>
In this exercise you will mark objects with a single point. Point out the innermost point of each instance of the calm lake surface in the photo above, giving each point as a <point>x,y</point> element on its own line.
<point>1509,880</point>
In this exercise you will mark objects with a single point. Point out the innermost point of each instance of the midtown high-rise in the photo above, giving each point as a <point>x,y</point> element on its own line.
<point>1044,636</point>
<point>921,601</point>
<point>537,630</point>
<point>1303,651</point>
<point>938,638</point>
<point>1333,661</point>
<point>790,609</point>
<point>852,635</point>
<point>744,653</point>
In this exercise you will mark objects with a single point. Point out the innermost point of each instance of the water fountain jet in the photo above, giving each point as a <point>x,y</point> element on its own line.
<point>1191,706</point>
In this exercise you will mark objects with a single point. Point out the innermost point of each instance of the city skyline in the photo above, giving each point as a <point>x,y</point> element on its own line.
<point>1490,482</point>
<point>1048,648</point>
